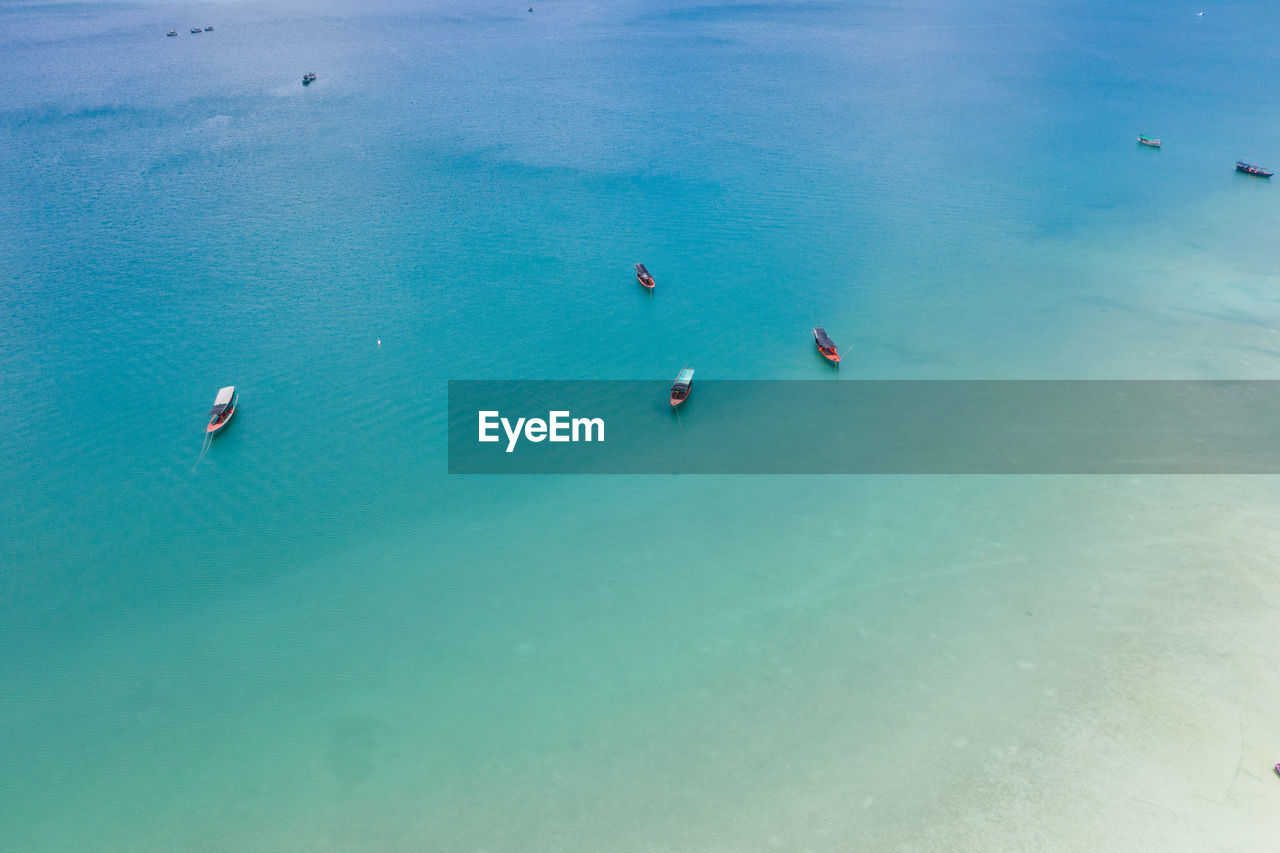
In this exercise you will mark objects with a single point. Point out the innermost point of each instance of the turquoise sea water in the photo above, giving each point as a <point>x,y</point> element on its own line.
<point>313,638</point>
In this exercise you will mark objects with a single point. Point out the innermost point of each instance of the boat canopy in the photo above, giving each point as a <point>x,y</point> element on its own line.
<point>641,270</point>
<point>225,396</point>
<point>823,341</point>
<point>685,377</point>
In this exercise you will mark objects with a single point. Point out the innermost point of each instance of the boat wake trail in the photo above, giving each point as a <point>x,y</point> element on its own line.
<point>204,448</point>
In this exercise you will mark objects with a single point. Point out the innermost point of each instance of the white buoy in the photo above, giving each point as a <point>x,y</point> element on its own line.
<point>379,341</point>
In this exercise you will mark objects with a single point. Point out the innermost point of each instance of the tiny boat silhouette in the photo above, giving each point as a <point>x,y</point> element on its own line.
<point>825,345</point>
<point>172,33</point>
<point>642,276</point>
<point>224,406</point>
<point>208,29</point>
<point>195,30</point>
<point>1242,166</point>
<point>1149,141</point>
<point>681,387</point>
<point>308,78</point>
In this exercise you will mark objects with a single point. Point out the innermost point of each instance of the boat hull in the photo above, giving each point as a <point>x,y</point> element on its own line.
<point>677,402</point>
<point>826,346</point>
<point>1257,172</point>
<point>644,277</point>
<point>217,426</point>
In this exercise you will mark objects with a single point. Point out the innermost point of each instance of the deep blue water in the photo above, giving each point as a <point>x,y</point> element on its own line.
<point>312,635</point>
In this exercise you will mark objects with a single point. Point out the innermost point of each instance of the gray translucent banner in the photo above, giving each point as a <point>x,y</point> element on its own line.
<point>868,427</point>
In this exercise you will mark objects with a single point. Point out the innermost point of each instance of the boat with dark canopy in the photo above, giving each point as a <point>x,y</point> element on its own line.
<point>308,78</point>
<point>681,387</point>
<point>1242,166</point>
<point>642,276</point>
<point>825,345</point>
<point>224,406</point>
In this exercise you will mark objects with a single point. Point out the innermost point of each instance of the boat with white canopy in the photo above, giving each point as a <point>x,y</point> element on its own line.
<point>224,406</point>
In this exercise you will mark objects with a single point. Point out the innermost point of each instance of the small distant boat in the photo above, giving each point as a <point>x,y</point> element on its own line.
<point>642,276</point>
<point>681,387</point>
<point>1242,166</point>
<point>825,345</point>
<point>1278,769</point>
<point>1149,141</point>
<point>208,29</point>
<point>308,78</point>
<point>172,33</point>
<point>196,30</point>
<point>224,406</point>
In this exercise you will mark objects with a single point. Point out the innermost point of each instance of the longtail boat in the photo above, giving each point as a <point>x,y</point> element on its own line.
<point>1149,141</point>
<point>681,387</point>
<point>825,345</point>
<point>642,276</point>
<point>224,406</point>
<point>1242,166</point>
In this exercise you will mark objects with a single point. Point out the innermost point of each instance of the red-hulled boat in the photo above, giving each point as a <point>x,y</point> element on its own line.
<point>224,406</point>
<point>642,276</point>
<point>825,345</point>
<point>681,387</point>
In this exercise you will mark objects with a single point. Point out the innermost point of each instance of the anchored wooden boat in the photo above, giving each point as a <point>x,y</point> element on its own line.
<point>224,406</point>
<point>642,276</point>
<point>681,387</point>
<point>1149,141</point>
<point>1242,166</point>
<point>825,345</point>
